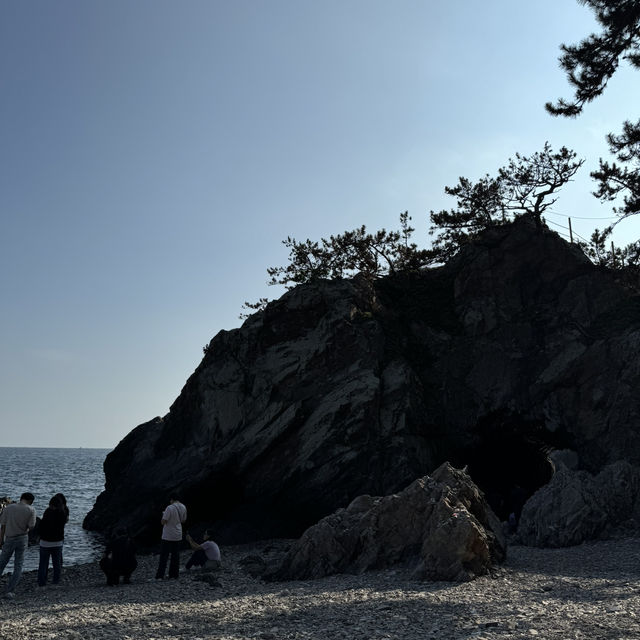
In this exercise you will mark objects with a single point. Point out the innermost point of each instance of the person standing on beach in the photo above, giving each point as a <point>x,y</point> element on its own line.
<point>172,518</point>
<point>15,521</point>
<point>52,539</point>
<point>63,499</point>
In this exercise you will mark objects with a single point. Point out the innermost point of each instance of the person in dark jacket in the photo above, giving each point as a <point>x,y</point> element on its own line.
<point>52,538</point>
<point>61,497</point>
<point>119,558</point>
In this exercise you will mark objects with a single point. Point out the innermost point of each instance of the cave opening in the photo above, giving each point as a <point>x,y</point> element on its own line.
<point>509,461</point>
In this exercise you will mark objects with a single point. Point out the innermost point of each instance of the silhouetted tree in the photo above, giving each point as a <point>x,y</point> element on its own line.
<point>372,255</point>
<point>526,186</point>
<point>342,256</point>
<point>589,66</point>
<point>529,183</point>
<point>480,205</point>
<point>604,254</point>
<point>596,249</point>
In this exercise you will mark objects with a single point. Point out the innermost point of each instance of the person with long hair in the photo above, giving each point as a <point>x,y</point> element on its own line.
<point>52,538</point>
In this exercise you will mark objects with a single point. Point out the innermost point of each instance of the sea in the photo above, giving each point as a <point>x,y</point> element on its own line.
<point>44,472</point>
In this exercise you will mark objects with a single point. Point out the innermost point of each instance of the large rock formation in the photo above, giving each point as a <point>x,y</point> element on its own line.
<point>440,526</point>
<point>577,506</point>
<point>345,388</point>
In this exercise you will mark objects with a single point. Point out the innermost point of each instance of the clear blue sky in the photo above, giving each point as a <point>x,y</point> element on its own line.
<point>153,155</point>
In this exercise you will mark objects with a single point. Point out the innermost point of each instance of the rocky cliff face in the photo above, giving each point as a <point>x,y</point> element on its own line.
<point>345,388</point>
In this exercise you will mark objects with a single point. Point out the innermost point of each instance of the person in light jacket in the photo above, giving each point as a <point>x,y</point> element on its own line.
<point>16,519</point>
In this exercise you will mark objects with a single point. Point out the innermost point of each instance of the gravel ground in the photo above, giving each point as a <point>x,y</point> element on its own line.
<point>591,591</point>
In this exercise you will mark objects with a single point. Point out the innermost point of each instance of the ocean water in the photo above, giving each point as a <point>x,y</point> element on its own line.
<point>44,472</point>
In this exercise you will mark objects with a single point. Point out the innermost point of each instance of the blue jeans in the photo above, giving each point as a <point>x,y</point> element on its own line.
<point>10,547</point>
<point>55,553</point>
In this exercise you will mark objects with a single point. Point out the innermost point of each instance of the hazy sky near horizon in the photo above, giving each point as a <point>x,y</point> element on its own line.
<point>154,154</point>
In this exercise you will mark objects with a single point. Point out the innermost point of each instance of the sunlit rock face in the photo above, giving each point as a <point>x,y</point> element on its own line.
<point>345,388</point>
<point>439,528</point>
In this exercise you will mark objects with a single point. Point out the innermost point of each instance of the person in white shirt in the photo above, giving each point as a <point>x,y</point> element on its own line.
<point>16,520</point>
<point>172,518</point>
<point>206,554</point>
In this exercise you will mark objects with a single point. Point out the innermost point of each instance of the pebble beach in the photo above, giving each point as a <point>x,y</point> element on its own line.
<point>591,591</point>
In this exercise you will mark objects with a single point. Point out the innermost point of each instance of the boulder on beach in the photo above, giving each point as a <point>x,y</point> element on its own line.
<point>440,527</point>
<point>577,506</point>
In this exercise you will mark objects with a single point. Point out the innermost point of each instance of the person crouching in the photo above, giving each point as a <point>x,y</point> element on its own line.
<point>205,554</point>
<point>119,558</point>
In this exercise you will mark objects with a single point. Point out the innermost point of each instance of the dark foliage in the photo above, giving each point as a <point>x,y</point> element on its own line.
<point>589,66</point>
<point>373,255</point>
<point>525,186</point>
<point>600,252</point>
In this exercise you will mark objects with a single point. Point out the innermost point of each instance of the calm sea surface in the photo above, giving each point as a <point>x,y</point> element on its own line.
<point>44,472</point>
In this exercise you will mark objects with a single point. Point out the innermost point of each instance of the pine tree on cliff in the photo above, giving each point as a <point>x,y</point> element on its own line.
<point>372,255</point>
<point>527,185</point>
<point>342,256</point>
<point>589,66</point>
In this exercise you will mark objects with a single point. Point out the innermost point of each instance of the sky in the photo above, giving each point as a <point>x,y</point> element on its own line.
<point>154,154</point>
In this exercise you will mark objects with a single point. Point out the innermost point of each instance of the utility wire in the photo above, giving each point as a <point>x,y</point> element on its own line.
<point>557,224</point>
<point>577,235</point>
<point>560,233</point>
<point>564,215</point>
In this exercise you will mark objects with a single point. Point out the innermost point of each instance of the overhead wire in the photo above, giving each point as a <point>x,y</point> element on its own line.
<point>576,235</point>
<point>557,224</point>
<point>571,230</point>
<point>564,215</point>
